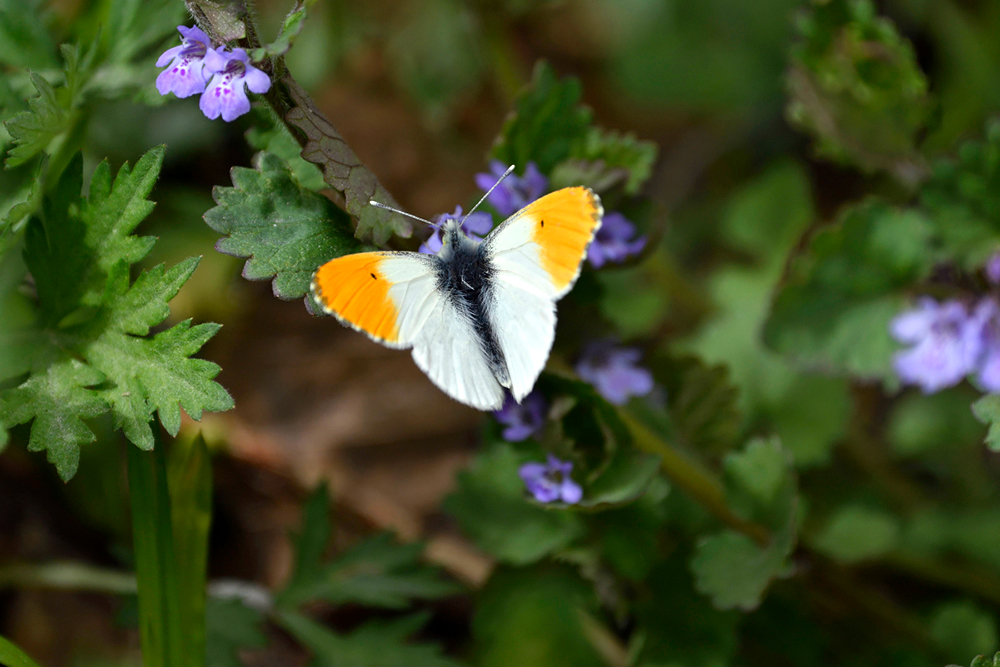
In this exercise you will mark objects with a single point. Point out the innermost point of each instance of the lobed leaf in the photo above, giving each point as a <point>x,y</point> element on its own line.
<point>33,130</point>
<point>344,172</point>
<point>285,230</point>
<point>603,159</point>
<point>546,123</point>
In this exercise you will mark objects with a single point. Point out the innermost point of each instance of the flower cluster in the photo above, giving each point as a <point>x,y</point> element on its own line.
<point>221,77</point>
<point>550,482</point>
<point>476,226</point>
<point>949,341</point>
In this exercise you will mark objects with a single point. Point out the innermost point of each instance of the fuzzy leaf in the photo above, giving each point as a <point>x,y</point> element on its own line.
<point>490,506</point>
<point>374,644</point>
<point>603,159</point>
<point>547,122</point>
<point>286,230</point>
<point>343,171</point>
<point>290,29</point>
<point>855,85</point>
<point>834,308</point>
<point>58,398</point>
<point>33,130</point>
<point>222,20</point>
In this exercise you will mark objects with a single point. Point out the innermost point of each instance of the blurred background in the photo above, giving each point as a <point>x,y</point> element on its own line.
<point>420,90</point>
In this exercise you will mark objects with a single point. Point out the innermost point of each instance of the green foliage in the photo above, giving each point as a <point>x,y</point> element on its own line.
<point>79,254</point>
<point>604,159</point>
<point>24,40</point>
<point>286,230</point>
<point>855,85</point>
<point>546,124</point>
<point>490,506</point>
<point>987,410</point>
<point>834,308</point>
<point>12,656</point>
<point>33,130</point>
<point>231,626</point>
<point>962,630</point>
<point>983,661</point>
<point>290,29</point>
<point>729,567</point>
<point>856,533</point>
<point>962,198</point>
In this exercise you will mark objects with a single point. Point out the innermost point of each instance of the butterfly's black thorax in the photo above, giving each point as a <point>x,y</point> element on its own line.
<point>466,275</point>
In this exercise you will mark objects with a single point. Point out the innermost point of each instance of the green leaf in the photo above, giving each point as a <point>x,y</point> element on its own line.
<point>310,545</point>
<point>12,656</point>
<point>33,130</point>
<point>491,508</point>
<point>160,628</point>
<point>729,567</point>
<point>290,29</point>
<point>625,477</point>
<point>855,85</point>
<point>983,661</point>
<point>962,629</point>
<point>59,398</point>
<point>286,230</point>
<point>547,122</point>
<point>962,199</point>
<point>79,259</point>
<point>856,533</point>
<point>231,626</point>
<point>374,644</point>
<point>604,159</point>
<point>222,21</point>
<point>24,40</point>
<point>190,482</point>
<point>987,410</point>
<point>270,135</point>
<point>343,171</point>
<point>833,311</point>
<point>921,423</point>
<point>531,617</point>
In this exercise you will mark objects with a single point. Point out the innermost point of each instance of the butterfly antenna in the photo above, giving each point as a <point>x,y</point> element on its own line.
<point>499,180</point>
<point>408,215</point>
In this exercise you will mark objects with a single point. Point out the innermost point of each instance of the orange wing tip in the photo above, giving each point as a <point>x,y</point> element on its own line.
<point>352,289</point>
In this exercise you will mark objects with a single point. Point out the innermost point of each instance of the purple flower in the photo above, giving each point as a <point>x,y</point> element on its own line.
<point>515,192</point>
<point>614,242</point>
<point>992,269</point>
<point>550,481</point>
<point>946,340</point>
<point>613,372</point>
<point>522,420</point>
<point>226,94</point>
<point>986,318</point>
<point>186,64</point>
<point>476,226</point>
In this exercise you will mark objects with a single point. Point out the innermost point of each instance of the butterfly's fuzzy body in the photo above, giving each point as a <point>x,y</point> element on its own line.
<point>480,316</point>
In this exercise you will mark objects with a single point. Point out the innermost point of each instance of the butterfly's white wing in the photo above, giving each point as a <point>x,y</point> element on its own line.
<point>393,298</point>
<point>536,256</point>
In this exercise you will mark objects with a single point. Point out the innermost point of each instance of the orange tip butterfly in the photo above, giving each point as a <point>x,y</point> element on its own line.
<point>479,315</point>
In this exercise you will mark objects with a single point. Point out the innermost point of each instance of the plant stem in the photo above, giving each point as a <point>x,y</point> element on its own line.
<point>67,575</point>
<point>693,479</point>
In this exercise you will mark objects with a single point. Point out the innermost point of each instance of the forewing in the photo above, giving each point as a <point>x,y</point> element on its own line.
<point>541,247</point>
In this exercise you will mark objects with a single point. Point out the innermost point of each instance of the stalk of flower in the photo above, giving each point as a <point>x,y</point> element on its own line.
<point>476,226</point>
<point>188,66</point>
<point>615,241</point>
<point>551,481</point>
<point>522,420</point>
<point>226,93</point>
<point>515,192</point>
<point>614,371</point>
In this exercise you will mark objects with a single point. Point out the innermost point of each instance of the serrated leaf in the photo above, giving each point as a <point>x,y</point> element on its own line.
<point>856,86</point>
<point>759,481</point>
<point>344,172</point>
<point>285,230</point>
<point>856,533</point>
<point>626,477</point>
<point>374,644</point>
<point>58,399</point>
<point>546,123</point>
<point>603,159</point>
<point>231,626</point>
<point>33,130</point>
<point>987,410</point>
<point>271,135</point>
<point>702,403</point>
<point>490,506</point>
<point>840,294</point>
<point>290,29</point>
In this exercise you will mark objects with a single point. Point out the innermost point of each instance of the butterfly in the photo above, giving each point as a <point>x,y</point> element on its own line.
<point>479,315</point>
